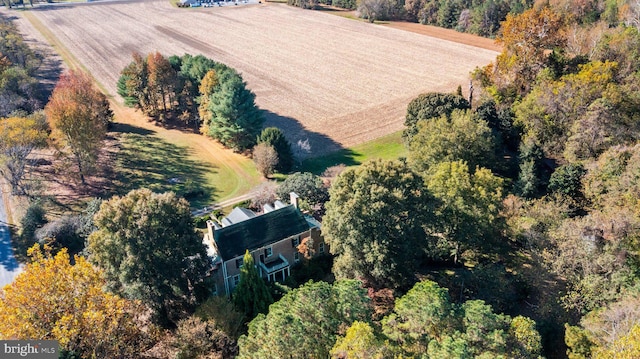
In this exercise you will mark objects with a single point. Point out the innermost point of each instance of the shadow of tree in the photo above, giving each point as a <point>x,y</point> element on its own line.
<point>309,145</point>
<point>147,161</point>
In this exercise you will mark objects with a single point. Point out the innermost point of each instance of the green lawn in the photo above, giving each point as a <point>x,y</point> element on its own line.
<point>146,160</point>
<point>387,148</point>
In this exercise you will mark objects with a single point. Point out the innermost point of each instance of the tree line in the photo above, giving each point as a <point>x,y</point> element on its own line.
<point>195,90</point>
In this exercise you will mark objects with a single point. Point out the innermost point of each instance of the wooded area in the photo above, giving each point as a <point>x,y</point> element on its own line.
<point>510,230</point>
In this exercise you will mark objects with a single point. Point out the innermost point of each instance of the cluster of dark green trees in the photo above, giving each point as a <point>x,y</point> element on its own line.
<point>319,320</point>
<point>196,90</point>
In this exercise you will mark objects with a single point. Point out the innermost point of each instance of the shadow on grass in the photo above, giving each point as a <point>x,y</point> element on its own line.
<point>126,128</point>
<point>317,165</point>
<point>314,151</point>
<point>146,161</point>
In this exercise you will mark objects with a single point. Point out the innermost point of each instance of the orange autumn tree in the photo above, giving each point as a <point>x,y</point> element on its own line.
<point>55,300</point>
<point>79,114</point>
<point>527,40</point>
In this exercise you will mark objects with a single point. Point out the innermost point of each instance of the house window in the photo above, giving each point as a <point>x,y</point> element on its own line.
<point>296,256</point>
<point>236,279</point>
<point>239,262</point>
<point>321,247</point>
<point>295,242</point>
<point>214,291</point>
<point>268,252</point>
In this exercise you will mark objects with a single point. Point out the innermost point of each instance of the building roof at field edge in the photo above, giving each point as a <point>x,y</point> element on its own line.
<point>233,240</point>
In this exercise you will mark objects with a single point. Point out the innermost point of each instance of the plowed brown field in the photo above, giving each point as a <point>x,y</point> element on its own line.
<point>335,81</point>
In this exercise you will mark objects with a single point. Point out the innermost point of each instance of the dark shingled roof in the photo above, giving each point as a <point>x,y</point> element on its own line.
<point>253,233</point>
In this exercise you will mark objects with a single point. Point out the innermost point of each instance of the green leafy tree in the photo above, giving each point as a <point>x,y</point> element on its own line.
<point>374,222</point>
<point>485,331</point>
<point>359,342</point>
<point>235,118</point>
<point>567,180</point>
<point>554,107</point>
<point>426,321</point>
<point>469,205</point>
<point>455,347</point>
<point>274,137</point>
<point>307,186</point>
<point>64,232</point>
<point>431,105</point>
<point>578,342</point>
<point>149,250</point>
<point>306,321</point>
<point>458,138</point>
<point>532,178</point>
<point>19,89</point>
<point>251,295</point>
<point>525,341</point>
<point>500,119</point>
<point>423,314</point>
<point>34,218</point>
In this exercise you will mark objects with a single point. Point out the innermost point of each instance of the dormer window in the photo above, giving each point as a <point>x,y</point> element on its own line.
<point>268,252</point>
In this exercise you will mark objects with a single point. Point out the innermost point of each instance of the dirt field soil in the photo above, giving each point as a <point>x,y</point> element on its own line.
<point>336,81</point>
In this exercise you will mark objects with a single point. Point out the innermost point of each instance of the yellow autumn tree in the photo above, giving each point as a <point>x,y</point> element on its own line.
<point>56,300</point>
<point>18,138</point>
<point>626,347</point>
<point>208,85</point>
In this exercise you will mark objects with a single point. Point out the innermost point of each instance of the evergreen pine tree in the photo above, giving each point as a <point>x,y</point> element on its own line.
<point>251,296</point>
<point>235,119</point>
<point>532,178</point>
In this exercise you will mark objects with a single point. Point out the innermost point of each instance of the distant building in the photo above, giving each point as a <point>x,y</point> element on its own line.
<point>272,238</point>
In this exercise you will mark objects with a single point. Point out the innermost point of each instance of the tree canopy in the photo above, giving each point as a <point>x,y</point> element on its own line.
<point>306,321</point>
<point>18,138</point>
<point>55,300</point>
<point>469,205</point>
<point>251,296</point>
<point>461,137</point>
<point>79,115</point>
<point>18,65</point>
<point>309,187</point>
<point>426,321</point>
<point>375,222</point>
<point>431,105</point>
<point>148,248</point>
<point>273,136</point>
<point>235,120</point>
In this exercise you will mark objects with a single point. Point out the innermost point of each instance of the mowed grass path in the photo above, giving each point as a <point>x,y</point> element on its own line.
<point>151,156</point>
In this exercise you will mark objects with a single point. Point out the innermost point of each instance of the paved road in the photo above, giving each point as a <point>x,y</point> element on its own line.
<point>9,266</point>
